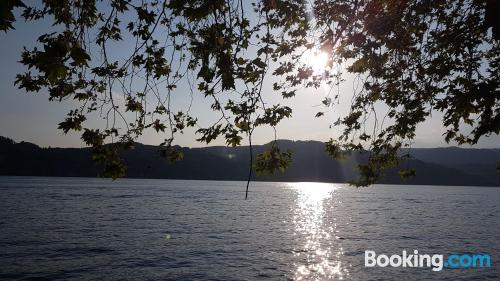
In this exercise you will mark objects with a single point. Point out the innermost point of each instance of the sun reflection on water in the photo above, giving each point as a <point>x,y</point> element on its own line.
<point>318,249</point>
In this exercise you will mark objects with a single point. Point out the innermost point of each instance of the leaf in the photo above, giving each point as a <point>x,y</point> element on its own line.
<point>233,139</point>
<point>56,72</point>
<point>358,66</point>
<point>72,122</point>
<point>79,56</point>
<point>327,101</point>
<point>288,94</point>
<point>133,105</point>
<point>158,126</point>
<point>334,149</point>
<point>172,155</point>
<point>6,13</point>
<point>259,63</point>
<point>93,137</point>
<point>407,173</point>
<point>268,162</point>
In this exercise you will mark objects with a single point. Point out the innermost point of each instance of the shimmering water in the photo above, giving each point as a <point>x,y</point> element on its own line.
<point>95,229</point>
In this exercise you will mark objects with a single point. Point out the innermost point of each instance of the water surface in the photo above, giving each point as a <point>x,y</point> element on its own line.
<point>131,229</point>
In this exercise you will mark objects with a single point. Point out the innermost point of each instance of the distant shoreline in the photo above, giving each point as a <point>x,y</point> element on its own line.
<point>244,182</point>
<point>434,166</point>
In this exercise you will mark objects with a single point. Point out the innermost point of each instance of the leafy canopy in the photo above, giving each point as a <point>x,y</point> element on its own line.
<point>410,59</point>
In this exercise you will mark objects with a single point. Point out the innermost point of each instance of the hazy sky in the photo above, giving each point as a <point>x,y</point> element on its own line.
<point>31,117</point>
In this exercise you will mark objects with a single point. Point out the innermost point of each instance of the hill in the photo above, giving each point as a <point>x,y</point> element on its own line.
<point>436,166</point>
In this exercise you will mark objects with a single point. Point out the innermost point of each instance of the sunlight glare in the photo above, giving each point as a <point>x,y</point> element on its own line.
<point>319,254</point>
<point>317,60</point>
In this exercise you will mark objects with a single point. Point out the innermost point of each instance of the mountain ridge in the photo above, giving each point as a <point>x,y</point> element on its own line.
<point>434,166</point>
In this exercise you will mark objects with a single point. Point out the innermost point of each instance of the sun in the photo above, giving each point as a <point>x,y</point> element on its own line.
<point>317,60</point>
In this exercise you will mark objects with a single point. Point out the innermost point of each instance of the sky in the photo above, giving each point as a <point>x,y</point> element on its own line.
<point>31,117</point>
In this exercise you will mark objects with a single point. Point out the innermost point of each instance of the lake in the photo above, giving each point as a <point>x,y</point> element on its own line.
<point>138,229</point>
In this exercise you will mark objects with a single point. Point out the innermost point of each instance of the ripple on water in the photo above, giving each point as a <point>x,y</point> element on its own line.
<point>91,229</point>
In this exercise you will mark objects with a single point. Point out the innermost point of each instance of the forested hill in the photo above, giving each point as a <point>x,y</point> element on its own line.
<point>435,166</point>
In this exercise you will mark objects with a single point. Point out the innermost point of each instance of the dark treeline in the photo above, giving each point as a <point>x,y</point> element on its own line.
<point>436,166</point>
